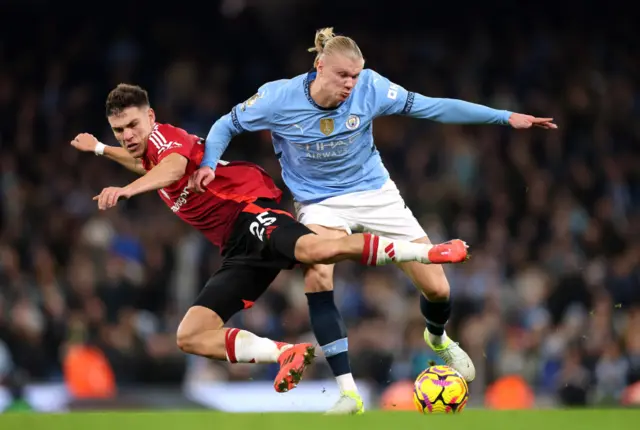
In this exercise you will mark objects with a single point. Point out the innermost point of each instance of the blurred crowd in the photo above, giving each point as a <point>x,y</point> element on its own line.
<point>552,291</point>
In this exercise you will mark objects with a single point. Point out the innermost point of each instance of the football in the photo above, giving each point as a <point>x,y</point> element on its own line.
<point>440,389</point>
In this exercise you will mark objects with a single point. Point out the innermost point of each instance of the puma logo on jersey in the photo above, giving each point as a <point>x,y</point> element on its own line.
<point>298,127</point>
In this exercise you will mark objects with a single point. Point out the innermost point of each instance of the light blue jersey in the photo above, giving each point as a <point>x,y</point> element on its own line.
<point>327,152</point>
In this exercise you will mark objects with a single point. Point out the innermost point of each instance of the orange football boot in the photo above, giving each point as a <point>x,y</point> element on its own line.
<point>293,361</point>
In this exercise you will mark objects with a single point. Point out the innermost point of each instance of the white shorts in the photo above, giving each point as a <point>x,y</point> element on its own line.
<point>382,212</point>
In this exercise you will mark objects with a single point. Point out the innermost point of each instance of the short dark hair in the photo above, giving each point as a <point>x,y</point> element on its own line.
<point>125,96</point>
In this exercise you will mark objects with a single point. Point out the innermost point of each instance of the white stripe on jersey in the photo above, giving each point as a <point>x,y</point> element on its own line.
<point>155,140</point>
<point>157,132</point>
<point>160,141</point>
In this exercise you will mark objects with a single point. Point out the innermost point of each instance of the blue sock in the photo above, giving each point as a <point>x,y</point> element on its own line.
<point>330,331</point>
<point>436,313</point>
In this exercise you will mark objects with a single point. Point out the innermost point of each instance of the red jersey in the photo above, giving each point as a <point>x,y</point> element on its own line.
<point>213,212</point>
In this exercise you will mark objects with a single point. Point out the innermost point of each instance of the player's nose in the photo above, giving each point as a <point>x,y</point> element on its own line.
<point>127,135</point>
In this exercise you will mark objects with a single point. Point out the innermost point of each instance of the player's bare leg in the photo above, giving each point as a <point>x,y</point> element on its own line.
<point>434,304</point>
<point>201,332</point>
<point>373,250</point>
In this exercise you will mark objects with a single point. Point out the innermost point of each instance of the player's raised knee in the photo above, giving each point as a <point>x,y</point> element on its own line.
<point>185,338</point>
<point>439,292</point>
<point>436,288</point>
<point>318,278</point>
<point>197,321</point>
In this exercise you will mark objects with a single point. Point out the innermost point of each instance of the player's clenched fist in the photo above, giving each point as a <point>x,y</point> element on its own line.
<point>85,142</point>
<point>109,197</point>
<point>199,180</point>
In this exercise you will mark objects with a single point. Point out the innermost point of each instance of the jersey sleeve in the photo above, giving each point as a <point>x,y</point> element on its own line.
<point>389,98</point>
<point>454,111</point>
<point>392,99</point>
<point>172,141</point>
<point>253,114</point>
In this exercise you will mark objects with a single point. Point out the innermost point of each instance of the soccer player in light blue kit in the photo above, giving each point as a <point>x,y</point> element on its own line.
<point>321,126</point>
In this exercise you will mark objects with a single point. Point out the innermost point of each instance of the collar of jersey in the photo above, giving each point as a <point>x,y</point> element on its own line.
<point>307,91</point>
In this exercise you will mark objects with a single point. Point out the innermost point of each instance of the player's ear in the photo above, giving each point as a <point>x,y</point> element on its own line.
<point>152,115</point>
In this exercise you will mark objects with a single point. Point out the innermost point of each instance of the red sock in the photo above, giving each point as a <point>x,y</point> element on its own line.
<point>370,249</point>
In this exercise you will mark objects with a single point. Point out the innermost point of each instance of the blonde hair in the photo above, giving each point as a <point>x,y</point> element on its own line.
<point>326,42</point>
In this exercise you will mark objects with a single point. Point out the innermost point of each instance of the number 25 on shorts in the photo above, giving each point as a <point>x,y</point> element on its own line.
<point>257,227</point>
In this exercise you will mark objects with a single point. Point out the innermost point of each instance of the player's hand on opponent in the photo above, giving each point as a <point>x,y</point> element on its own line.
<point>521,121</point>
<point>85,142</point>
<point>199,179</point>
<point>110,196</point>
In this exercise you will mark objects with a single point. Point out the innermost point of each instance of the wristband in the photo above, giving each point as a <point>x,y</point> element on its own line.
<point>100,148</point>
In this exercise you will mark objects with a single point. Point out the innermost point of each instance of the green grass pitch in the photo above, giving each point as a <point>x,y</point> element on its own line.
<point>610,419</point>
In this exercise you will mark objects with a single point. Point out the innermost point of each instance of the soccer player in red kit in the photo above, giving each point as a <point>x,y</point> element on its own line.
<point>240,214</point>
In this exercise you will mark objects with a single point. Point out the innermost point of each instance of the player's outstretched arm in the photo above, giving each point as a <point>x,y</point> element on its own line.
<point>218,139</point>
<point>391,99</point>
<point>252,115</point>
<point>453,111</point>
<point>86,142</point>
<point>168,171</point>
